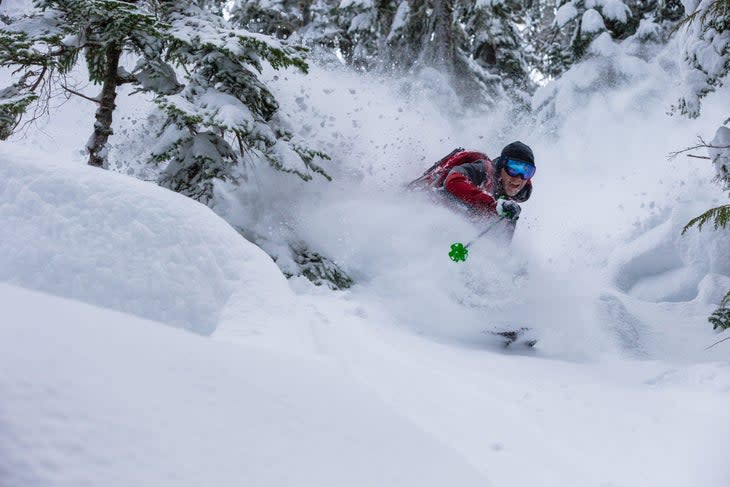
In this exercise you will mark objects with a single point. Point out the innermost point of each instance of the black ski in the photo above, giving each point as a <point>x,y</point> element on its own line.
<point>517,336</point>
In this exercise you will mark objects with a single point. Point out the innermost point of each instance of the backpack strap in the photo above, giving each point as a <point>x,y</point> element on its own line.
<point>428,174</point>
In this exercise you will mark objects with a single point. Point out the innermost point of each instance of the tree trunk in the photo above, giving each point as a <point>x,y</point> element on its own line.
<point>439,45</point>
<point>103,125</point>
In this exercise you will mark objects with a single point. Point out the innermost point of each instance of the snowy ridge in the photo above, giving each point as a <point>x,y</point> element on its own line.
<point>132,246</point>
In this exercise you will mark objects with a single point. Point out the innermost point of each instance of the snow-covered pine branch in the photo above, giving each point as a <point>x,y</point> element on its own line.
<point>579,22</point>
<point>705,40</point>
<point>225,117</point>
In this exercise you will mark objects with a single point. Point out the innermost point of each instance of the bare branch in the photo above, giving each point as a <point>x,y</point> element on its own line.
<point>699,157</point>
<point>121,80</point>
<point>701,145</point>
<point>95,100</point>
<point>40,78</point>
<point>717,342</point>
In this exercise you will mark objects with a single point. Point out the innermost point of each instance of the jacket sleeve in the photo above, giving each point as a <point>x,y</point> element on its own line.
<point>463,184</point>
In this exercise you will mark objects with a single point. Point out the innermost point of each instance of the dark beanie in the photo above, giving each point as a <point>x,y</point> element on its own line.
<point>518,150</point>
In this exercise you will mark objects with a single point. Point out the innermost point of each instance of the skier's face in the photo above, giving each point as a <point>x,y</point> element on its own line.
<point>511,185</point>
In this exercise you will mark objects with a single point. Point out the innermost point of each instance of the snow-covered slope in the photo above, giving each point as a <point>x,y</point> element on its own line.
<point>94,397</point>
<point>526,419</point>
<point>395,373</point>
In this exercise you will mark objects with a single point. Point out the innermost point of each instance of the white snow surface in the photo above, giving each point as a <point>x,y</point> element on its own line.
<point>565,14</point>
<point>616,10</point>
<point>592,21</point>
<point>611,9</point>
<point>648,29</point>
<point>488,3</point>
<point>396,372</point>
<point>356,3</point>
<point>109,399</point>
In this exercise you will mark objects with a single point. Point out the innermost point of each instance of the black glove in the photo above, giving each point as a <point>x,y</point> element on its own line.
<point>508,209</point>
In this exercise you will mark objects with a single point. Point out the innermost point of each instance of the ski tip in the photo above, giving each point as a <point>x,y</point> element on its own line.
<point>515,337</point>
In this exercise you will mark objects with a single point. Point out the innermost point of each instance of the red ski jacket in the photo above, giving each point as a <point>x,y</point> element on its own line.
<point>475,182</point>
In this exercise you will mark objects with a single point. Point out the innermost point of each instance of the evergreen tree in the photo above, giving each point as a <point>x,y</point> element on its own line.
<point>706,56</point>
<point>278,18</point>
<point>578,22</point>
<point>581,21</point>
<point>354,29</point>
<point>225,120</point>
<point>327,27</point>
<point>220,115</point>
<point>45,46</point>
<point>224,117</point>
<point>706,53</point>
<point>541,36</point>
<point>475,44</point>
<point>14,101</point>
<point>369,30</point>
<point>497,39</point>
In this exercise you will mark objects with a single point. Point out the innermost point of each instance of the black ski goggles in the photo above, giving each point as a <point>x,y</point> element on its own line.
<point>521,169</point>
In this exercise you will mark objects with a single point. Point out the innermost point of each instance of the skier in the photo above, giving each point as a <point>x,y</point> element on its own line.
<point>482,188</point>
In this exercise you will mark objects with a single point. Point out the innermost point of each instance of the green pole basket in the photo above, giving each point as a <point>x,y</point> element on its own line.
<point>458,252</point>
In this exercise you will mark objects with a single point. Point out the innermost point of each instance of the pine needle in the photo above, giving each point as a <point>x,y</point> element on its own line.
<point>719,215</point>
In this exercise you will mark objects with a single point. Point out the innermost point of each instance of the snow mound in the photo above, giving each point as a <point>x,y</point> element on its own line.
<point>662,265</point>
<point>615,10</point>
<point>120,243</point>
<point>592,22</point>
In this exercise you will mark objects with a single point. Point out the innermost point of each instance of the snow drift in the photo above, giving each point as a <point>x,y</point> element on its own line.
<point>111,240</point>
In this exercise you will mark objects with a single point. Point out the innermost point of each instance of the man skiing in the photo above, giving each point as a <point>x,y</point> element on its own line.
<point>484,189</point>
<point>469,180</point>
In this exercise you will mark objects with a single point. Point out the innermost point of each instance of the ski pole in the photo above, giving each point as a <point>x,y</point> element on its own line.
<point>459,251</point>
<point>484,232</point>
